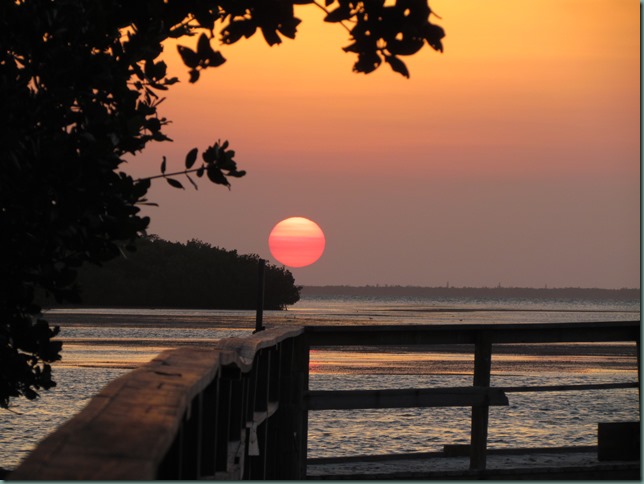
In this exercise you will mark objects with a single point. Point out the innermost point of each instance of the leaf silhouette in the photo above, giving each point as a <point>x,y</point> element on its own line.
<point>270,36</point>
<point>203,46</point>
<point>189,56</point>
<point>236,30</point>
<point>216,176</point>
<point>191,157</point>
<point>215,59</point>
<point>433,35</point>
<point>175,183</point>
<point>397,65</point>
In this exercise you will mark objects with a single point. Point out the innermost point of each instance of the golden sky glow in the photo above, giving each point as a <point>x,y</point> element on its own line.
<point>524,133</point>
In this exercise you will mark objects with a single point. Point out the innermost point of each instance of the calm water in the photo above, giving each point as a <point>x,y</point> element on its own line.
<point>101,345</point>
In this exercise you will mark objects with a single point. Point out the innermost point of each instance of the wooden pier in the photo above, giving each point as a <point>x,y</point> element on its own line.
<point>239,409</point>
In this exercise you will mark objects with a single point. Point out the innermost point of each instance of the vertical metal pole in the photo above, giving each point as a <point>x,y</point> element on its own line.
<point>260,296</point>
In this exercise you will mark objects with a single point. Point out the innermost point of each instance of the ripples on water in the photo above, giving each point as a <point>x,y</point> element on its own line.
<point>531,420</point>
<point>33,420</point>
<point>102,344</point>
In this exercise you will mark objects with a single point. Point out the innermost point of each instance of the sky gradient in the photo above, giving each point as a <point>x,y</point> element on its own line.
<point>512,158</point>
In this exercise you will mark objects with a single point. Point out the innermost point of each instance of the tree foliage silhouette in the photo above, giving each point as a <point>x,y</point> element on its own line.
<point>194,275</point>
<point>80,87</point>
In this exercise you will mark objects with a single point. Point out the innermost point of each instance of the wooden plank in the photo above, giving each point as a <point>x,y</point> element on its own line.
<point>565,388</point>
<point>38,460</point>
<point>404,398</point>
<point>91,467</point>
<point>136,417</point>
<point>196,367</point>
<point>241,351</point>
<point>392,335</point>
<point>111,436</point>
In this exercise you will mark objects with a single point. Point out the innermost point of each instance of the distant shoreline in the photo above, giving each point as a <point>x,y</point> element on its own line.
<point>594,294</point>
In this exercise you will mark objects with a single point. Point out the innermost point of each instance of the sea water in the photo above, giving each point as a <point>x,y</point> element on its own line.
<point>103,344</point>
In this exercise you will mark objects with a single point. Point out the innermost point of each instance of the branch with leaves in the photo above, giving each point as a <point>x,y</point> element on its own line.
<point>385,32</point>
<point>379,31</point>
<point>218,163</point>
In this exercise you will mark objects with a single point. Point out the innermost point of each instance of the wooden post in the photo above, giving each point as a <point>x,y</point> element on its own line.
<point>293,415</point>
<point>480,413</point>
<point>618,441</point>
<point>260,295</point>
<point>283,461</point>
<point>302,351</point>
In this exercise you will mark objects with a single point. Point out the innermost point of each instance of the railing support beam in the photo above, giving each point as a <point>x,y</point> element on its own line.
<point>480,413</point>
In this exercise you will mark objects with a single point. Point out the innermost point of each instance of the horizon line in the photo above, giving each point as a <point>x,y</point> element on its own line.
<point>413,286</point>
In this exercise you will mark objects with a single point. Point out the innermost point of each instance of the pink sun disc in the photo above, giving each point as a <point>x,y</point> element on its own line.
<point>296,242</point>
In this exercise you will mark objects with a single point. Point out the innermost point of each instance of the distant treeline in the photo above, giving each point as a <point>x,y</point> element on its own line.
<point>194,275</point>
<point>476,292</point>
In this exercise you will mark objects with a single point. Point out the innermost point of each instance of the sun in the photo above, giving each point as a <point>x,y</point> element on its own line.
<point>296,242</point>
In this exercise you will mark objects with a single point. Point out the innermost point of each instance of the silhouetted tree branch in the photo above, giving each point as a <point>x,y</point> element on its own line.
<point>80,87</point>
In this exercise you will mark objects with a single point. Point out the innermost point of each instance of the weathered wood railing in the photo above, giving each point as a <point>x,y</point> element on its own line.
<point>227,412</point>
<point>481,395</point>
<point>239,410</point>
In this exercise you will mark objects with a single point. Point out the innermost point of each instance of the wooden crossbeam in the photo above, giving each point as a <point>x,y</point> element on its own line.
<point>405,398</point>
<point>564,388</point>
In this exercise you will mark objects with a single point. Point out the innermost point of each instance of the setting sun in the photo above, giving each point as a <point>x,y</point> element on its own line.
<point>296,242</point>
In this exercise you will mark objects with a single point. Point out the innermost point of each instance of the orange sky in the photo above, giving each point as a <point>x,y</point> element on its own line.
<point>512,157</point>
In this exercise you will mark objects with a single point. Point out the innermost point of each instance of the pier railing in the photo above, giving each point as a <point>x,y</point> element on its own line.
<point>239,409</point>
<point>482,338</point>
<point>227,412</point>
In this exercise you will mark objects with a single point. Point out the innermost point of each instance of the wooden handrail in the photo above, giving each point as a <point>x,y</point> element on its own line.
<point>238,409</point>
<point>440,334</point>
<point>148,423</point>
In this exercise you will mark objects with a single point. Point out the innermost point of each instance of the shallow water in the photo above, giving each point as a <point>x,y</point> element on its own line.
<point>33,420</point>
<point>101,344</point>
<point>531,420</point>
